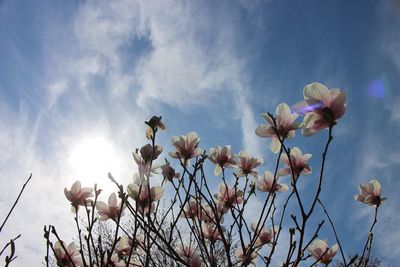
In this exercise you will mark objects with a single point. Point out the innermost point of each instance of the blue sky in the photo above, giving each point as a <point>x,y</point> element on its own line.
<point>77,71</point>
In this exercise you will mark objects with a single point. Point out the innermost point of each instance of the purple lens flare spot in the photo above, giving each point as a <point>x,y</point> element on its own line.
<point>376,89</point>
<point>309,107</point>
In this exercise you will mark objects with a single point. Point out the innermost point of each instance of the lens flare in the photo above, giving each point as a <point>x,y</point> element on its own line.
<point>376,89</point>
<point>306,107</point>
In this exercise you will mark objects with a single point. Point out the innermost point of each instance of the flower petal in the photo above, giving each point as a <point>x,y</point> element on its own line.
<point>317,91</point>
<point>112,200</point>
<point>338,104</point>
<point>275,145</point>
<point>156,193</point>
<point>265,131</point>
<point>217,170</point>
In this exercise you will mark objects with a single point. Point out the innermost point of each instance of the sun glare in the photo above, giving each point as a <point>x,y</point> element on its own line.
<point>92,158</point>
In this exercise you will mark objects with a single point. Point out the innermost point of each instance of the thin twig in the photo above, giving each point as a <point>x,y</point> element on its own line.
<point>15,203</point>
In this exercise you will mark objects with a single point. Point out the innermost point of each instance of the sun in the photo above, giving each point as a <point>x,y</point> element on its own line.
<point>92,158</point>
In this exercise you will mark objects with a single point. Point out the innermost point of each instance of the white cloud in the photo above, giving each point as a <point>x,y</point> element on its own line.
<point>90,90</point>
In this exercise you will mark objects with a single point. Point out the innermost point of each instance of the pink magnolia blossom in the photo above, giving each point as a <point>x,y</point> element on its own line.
<point>210,232</point>
<point>370,193</point>
<point>78,196</point>
<point>247,164</point>
<point>144,158</point>
<point>190,255</point>
<point>110,211</point>
<point>227,197</point>
<point>299,163</point>
<point>124,248</point>
<point>222,157</point>
<point>320,250</point>
<point>68,257</point>
<point>266,183</point>
<point>285,126</point>
<point>322,107</point>
<point>149,154</point>
<point>125,243</point>
<point>207,214</point>
<point>168,172</point>
<point>186,147</point>
<point>144,195</point>
<point>154,123</point>
<point>241,256</point>
<point>192,209</point>
<point>266,236</point>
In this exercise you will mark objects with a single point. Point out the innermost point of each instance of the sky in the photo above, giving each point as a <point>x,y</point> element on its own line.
<point>79,78</point>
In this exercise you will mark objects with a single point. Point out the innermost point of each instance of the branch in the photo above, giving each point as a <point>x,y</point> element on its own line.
<point>334,231</point>
<point>15,203</point>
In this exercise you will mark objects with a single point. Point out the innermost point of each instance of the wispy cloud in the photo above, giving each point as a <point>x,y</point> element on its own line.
<point>106,65</point>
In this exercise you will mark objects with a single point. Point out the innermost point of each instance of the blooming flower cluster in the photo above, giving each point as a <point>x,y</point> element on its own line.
<point>322,108</point>
<point>204,211</point>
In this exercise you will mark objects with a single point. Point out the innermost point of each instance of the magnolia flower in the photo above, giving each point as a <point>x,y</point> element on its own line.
<point>299,163</point>
<point>247,164</point>
<point>123,250</point>
<point>207,214</point>
<point>125,243</point>
<point>77,195</point>
<point>241,256</point>
<point>210,232</point>
<point>265,236</point>
<point>149,154</point>
<point>285,126</point>
<point>168,172</point>
<point>192,209</point>
<point>320,250</point>
<point>370,193</point>
<point>222,157</point>
<point>321,107</point>
<point>189,254</point>
<point>68,257</point>
<point>266,183</point>
<point>228,197</point>
<point>144,195</point>
<point>186,147</point>
<point>145,159</point>
<point>154,123</point>
<point>110,211</point>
